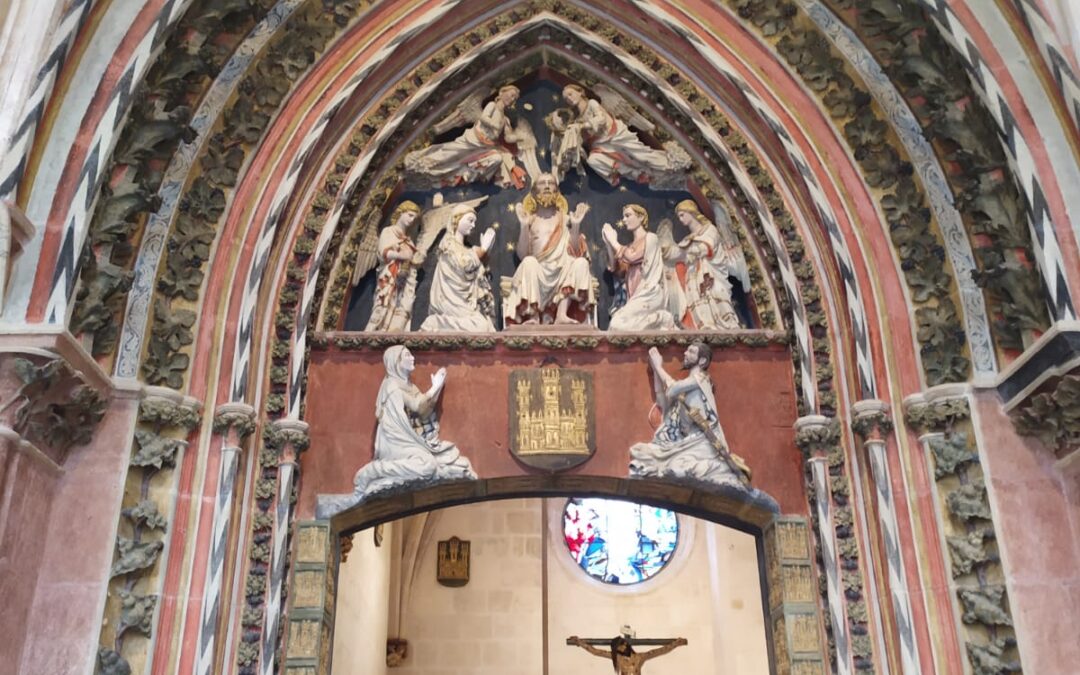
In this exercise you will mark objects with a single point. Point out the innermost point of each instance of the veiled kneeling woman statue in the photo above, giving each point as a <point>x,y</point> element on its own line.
<point>407,444</point>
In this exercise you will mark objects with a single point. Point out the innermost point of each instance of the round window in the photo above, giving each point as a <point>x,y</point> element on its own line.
<point>619,542</point>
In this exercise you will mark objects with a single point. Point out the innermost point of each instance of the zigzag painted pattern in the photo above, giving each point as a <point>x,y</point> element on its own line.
<point>826,538</point>
<point>1046,38</point>
<point>864,358</point>
<point>901,600</point>
<point>211,607</point>
<point>242,353</point>
<point>13,163</point>
<point>282,523</point>
<point>1047,249</point>
<point>77,215</point>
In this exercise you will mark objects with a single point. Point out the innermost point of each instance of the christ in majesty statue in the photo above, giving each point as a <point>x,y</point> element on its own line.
<point>623,657</point>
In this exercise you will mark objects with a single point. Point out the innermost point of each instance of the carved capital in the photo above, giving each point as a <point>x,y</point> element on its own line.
<point>871,420</point>
<point>937,409</point>
<point>288,438</point>
<point>816,435</point>
<point>235,418</point>
<point>163,407</point>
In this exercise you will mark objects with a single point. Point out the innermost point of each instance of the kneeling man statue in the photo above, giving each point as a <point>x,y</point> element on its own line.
<point>689,444</point>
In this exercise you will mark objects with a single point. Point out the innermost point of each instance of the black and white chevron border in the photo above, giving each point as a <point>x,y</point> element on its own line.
<point>13,163</point>
<point>1047,249</point>
<point>77,215</point>
<point>1049,44</point>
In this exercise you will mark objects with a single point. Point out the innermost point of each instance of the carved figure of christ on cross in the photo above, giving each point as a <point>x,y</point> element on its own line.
<point>623,657</point>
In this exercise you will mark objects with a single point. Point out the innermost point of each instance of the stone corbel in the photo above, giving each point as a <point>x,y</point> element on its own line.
<point>47,406</point>
<point>1041,392</point>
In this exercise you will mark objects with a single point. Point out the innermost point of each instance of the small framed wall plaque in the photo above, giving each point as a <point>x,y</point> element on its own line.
<point>452,568</point>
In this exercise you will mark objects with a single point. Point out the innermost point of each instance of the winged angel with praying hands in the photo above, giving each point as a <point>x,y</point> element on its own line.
<point>486,152</point>
<point>398,258</point>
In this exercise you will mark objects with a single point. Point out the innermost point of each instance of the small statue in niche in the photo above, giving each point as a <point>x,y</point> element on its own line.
<point>690,443</point>
<point>596,131</point>
<point>699,291</point>
<point>553,283</point>
<point>623,657</point>
<point>485,152</point>
<point>641,265</point>
<point>461,298</point>
<point>407,444</point>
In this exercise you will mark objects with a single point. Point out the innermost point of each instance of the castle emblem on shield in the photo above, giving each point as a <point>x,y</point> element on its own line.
<point>551,417</point>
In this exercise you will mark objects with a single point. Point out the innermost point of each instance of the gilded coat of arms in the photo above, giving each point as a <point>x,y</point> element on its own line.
<point>551,417</point>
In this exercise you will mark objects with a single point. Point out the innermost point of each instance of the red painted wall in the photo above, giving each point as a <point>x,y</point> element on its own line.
<point>754,390</point>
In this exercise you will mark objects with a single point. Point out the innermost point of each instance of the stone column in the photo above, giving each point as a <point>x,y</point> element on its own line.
<point>289,438</point>
<point>872,423</point>
<point>817,435</point>
<point>235,422</point>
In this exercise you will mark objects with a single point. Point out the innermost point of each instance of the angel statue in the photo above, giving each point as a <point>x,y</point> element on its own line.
<point>407,444</point>
<point>553,283</point>
<point>598,131</point>
<point>461,298</point>
<point>641,265</point>
<point>699,291</point>
<point>485,152</point>
<point>399,259</point>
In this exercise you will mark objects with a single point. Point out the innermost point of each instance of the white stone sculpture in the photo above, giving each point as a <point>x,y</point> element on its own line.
<point>598,131</point>
<point>699,291</point>
<point>407,445</point>
<point>398,259</point>
<point>461,298</point>
<point>641,265</point>
<point>553,283</point>
<point>690,443</point>
<point>485,152</point>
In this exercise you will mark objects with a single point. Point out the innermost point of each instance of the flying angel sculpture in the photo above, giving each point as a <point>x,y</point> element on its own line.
<point>399,258</point>
<point>488,151</point>
<point>597,132</point>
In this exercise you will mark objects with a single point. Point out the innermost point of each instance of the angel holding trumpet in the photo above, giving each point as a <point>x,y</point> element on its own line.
<point>486,152</point>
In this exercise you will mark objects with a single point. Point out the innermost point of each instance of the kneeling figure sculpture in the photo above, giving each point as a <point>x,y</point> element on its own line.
<point>690,443</point>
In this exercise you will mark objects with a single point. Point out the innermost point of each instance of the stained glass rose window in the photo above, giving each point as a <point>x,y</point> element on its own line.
<point>619,542</point>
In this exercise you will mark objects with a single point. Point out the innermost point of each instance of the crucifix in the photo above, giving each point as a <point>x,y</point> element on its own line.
<point>623,657</point>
